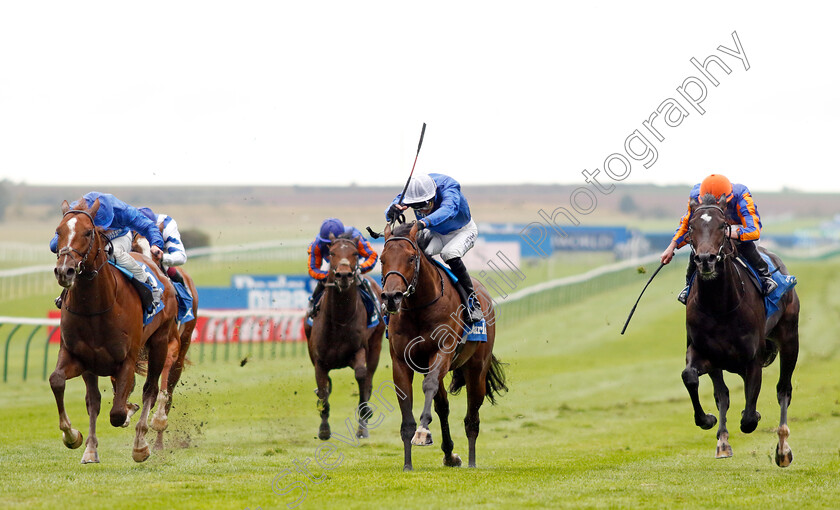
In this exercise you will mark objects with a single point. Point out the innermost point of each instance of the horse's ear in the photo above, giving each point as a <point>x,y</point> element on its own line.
<point>387,231</point>
<point>413,233</point>
<point>65,207</point>
<point>356,239</point>
<point>332,237</point>
<point>693,203</point>
<point>722,202</point>
<point>94,208</point>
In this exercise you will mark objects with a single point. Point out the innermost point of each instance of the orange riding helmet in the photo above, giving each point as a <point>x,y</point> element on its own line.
<point>717,185</point>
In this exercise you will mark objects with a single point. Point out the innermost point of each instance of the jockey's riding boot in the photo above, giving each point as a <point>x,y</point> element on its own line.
<point>60,299</point>
<point>174,275</point>
<point>157,292</point>
<point>749,251</point>
<point>146,297</point>
<point>312,309</point>
<point>364,287</point>
<point>473,312</point>
<point>683,297</point>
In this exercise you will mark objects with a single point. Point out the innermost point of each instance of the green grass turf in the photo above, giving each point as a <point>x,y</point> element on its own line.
<point>593,419</point>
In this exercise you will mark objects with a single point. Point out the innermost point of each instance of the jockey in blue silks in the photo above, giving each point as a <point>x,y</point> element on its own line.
<point>443,214</point>
<point>119,220</point>
<point>319,251</point>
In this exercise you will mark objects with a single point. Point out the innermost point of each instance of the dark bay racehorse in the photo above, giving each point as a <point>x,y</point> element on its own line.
<point>339,336</point>
<point>176,351</point>
<point>727,330</point>
<point>102,332</point>
<point>425,330</point>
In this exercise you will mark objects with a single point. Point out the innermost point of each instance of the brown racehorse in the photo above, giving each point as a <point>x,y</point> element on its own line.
<point>176,351</point>
<point>727,329</point>
<point>339,336</point>
<point>102,332</point>
<point>424,332</point>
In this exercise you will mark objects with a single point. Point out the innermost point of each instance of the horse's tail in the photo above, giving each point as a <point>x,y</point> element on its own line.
<point>141,366</point>
<point>494,382</point>
<point>771,349</point>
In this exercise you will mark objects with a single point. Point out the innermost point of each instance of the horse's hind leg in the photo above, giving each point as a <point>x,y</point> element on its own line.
<point>66,368</point>
<point>442,410</point>
<point>157,357</point>
<point>93,399</point>
<point>324,382</point>
<point>724,449</point>
<point>159,419</point>
<point>694,368</point>
<point>431,385</point>
<point>175,375</point>
<point>788,354</point>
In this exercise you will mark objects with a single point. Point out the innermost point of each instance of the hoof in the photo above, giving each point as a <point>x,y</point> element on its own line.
<point>784,459</point>
<point>362,433</point>
<point>141,454</point>
<point>324,433</point>
<point>68,441</point>
<point>422,437</point>
<point>158,424</point>
<point>723,451</point>
<point>453,460</point>
<point>408,467</point>
<point>706,422</point>
<point>90,458</point>
<point>749,423</point>
<point>132,408</point>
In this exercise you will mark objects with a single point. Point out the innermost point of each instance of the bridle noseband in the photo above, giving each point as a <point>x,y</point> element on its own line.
<point>80,264</point>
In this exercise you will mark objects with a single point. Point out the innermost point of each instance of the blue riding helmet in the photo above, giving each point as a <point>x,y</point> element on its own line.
<point>105,214</point>
<point>332,226</point>
<point>148,213</point>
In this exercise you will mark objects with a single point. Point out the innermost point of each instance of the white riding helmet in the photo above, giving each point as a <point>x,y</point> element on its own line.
<point>421,188</point>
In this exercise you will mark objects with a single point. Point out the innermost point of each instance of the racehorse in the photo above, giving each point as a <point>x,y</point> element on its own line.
<point>339,336</point>
<point>176,351</point>
<point>102,332</point>
<point>425,332</point>
<point>727,329</point>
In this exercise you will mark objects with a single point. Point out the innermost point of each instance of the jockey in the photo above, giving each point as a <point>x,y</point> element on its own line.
<point>741,211</point>
<point>173,249</point>
<point>443,213</point>
<point>119,219</point>
<point>319,251</point>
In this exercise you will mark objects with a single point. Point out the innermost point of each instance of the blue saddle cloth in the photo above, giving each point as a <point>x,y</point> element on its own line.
<point>147,317</point>
<point>371,307</point>
<point>784,282</point>
<point>478,332</point>
<point>185,302</point>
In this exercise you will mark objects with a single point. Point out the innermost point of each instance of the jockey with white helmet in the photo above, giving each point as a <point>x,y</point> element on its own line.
<point>443,213</point>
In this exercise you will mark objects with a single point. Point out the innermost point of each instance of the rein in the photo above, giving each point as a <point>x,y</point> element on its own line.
<point>81,264</point>
<point>412,287</point>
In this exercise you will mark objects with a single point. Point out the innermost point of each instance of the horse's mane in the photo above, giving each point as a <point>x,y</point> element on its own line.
<point>346,235</point>
<point>708,199</point>
<point>402,229</point>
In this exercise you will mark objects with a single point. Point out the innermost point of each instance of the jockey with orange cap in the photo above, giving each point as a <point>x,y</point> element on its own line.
<point>740,210</point>
<point>319,251</point>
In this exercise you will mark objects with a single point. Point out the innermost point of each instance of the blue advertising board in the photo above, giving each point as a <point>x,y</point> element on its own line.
<point>539,240</point>
<point>259,292</point>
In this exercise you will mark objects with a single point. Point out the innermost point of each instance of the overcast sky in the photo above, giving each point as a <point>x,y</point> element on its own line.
<point>334,93</point>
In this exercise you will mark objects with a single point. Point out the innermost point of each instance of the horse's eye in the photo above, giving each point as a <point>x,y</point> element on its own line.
<point>412,258</point>
<point>88,233</point>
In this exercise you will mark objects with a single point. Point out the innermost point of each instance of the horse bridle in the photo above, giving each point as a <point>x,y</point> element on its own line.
<point>411,287</point>
<point>79,265</point>
<point>726,226</point>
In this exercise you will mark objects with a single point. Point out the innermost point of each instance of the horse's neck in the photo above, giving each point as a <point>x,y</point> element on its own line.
<point>722,293</point>
<point>428,287</point>
<point>94,294</point>
<point>341,305</point>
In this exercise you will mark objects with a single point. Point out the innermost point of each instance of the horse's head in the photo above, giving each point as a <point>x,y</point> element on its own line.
<point>344,260</point>
<point>708,231</point>
<point>78,242</point>
<point>400,258</point>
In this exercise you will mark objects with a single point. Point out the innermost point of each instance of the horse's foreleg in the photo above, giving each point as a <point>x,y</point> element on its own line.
<point>93,399</point>
<point>403,377</point>
<point>788,354</point>
<point>752,385</point>
<point>363,410</point>
<point>66,368</point>
<point>431,385</point>
<point>324,382</point>
<point>691,379</point>
<point>442,410</point>
<point>724,449</point>
<point>130,408</point>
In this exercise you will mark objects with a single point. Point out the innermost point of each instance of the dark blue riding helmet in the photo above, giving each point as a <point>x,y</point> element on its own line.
<point>148,213</point>
<point>332,226</point>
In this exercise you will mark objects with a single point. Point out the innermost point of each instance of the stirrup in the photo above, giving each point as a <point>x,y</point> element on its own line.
<point>58,302</point>
<point>474,313</point>
<point>769,285</point>
<point>683,297</point>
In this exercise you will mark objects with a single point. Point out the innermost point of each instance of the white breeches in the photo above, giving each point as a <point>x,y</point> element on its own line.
<point>454,244</point>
